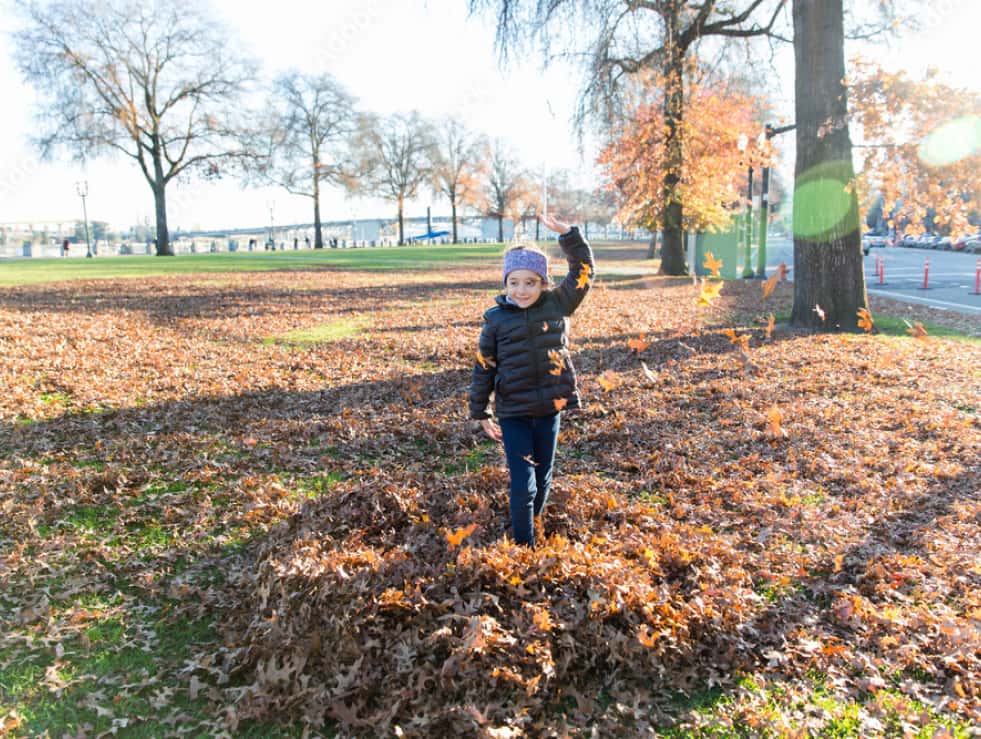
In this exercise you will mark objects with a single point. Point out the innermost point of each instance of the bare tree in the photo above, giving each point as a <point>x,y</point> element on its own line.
<point>158,82</point>
<point>618,39</point>
<point>459,160</point>
<point>505,186</point>
<point>829,277</point>
<point>394,159</point>
<point>304,140</point>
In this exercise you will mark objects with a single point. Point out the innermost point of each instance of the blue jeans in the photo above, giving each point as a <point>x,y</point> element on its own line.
<point>529,445</point>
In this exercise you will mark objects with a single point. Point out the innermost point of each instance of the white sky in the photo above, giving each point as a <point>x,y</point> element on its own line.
<point>394,56</point>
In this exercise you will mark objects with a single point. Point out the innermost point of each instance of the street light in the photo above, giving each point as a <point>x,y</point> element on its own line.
<point>82,188</point>
<point>742,143</point>
<point>768,133</point>
<point>272,232</point>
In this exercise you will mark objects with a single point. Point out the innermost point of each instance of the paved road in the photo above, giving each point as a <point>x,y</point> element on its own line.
<point>950,284</point>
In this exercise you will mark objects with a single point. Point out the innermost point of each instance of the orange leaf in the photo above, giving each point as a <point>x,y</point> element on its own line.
<point>774,418</point>
<point>820,311</point>
<point>771,284</point>
<point>484,361</point>
<point>454,538</point>
<point>865,320</point>
<point>645,636</point>
<point>560,403</point>
<point>916,329</point>
<point>742,341</point>
<point>555,357</point>
<point>638,345</point>
<point>584,273</point>
<point>607,380</point>
<point>710,291</point>
<point>771,322</point>
<point>712,264</point>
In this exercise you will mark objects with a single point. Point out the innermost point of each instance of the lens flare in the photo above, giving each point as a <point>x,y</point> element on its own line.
<point>822,206</point>
<point>951,142</point>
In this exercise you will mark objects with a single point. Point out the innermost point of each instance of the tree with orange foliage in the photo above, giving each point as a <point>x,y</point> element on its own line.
<point>618,39</point>
<point>922,146</point>
<point>711,177</point>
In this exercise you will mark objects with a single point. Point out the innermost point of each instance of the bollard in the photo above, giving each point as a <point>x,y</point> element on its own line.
<point>882,271</point>
<point>977,278</point>
<point>926,274</point>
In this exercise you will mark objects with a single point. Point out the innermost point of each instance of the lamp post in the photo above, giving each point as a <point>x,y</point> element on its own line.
<point>272,232</point>
<point>82,188</point>
<point>742,143</point>
<point>768,133</point>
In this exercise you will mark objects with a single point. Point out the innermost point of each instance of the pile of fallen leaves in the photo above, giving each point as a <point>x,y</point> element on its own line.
<point>773,516</point>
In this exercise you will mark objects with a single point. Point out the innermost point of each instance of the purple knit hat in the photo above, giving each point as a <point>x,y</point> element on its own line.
<point>529,259</point>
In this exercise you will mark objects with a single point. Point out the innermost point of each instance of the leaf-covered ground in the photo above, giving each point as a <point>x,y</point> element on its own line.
<point>228,504</point>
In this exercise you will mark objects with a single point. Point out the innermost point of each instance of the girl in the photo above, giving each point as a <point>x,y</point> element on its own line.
<point>524,358</point>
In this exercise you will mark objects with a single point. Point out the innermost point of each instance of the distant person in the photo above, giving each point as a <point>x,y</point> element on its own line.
<point>523,358</point>
<point>64,248</point>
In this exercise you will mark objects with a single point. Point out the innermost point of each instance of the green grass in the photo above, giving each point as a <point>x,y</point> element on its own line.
<point>314,487</point>
<point>322,334</point>
<point>895,326</point>
<point>892,326</point>
<point>473,459</point>
<point>36,271</point>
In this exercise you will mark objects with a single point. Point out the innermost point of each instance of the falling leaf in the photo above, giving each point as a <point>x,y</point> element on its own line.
<point>555,357</point>
<point>607,380</point>
<point>545,327</point>
<point>741,341</point>
<point>865,320</point>
<point>484,361</point>
<point>560,403</point>
<point>584,273</point>
<point>771,284</point>
<point>647,372</point>
<point>774,419</point>
<point>712,264</point>
<point>770,323</point>
<point>710,291</point>
<point>916,329</point>
<point>528,458</point>
<point>454,538</point>
<point>638,345</point>
<point>820,311</point>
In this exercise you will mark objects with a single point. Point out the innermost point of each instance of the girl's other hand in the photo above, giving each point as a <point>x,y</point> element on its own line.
<point>554,224</point>
<point>491,429</point>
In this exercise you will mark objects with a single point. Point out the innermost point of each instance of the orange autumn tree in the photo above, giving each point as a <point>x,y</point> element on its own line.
<point>712,174</point>
<point>922,146</point>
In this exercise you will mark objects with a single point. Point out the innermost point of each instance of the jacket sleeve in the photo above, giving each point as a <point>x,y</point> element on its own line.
<point>484,372</point>
<point>582,271</point>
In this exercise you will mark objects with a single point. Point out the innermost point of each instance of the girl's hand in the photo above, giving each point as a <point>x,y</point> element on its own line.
<point>491,429</point>
<point>554,224</point>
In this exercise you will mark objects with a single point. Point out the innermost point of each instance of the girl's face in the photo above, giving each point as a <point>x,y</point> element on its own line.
<point>524,287</point>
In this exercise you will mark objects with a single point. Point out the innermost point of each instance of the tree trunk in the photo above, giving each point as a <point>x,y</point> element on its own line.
<point>828,271</point>
<point>160,207</point>
<point>318,237</point>
<point>453,211</point>
<point>500,228</point>
<point>401,224</point>
<point>673,260</point>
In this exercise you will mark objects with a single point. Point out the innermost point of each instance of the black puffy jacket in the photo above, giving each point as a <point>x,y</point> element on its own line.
<point>523,354</point>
